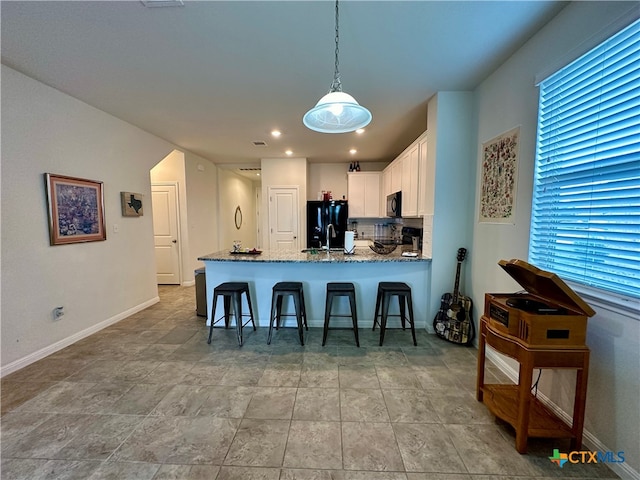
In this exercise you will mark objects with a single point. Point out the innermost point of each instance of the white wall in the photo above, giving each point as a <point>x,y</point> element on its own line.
<point>450,140</point>
<point>235,190</point>
<point>508,98</point>
<point>333,177</point>
<point>171,170</point>
<point>197,180</point>
<point>44,130</point>
<point>201,177</point>
<point>279,172</point>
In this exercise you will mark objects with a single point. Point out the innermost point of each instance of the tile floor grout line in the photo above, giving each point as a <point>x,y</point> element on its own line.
<point>431,373</point>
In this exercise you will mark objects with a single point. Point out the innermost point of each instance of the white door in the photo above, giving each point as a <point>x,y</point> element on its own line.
<point>164,200</point>
<point>283,218</point>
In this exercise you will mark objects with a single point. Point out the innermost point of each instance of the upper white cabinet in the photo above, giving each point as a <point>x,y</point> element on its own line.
<point>364,194</point>
<point>426,183</point>
<point>386,182</point>
<point>410,176</point>
<point>396,174</point>
<point>410,173</point>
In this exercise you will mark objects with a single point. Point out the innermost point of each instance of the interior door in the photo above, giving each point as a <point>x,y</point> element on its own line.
<point>283,218</point>
<point>164,200</point>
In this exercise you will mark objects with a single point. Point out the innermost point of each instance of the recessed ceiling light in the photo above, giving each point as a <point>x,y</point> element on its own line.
<point>289,152</point>
<point>276,133</point>
<point>353,151</point>
<point>360,131</point>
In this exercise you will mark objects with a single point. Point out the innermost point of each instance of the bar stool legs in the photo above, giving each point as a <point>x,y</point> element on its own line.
<point>231,293</point>
<point>294,289</point>
<point>385,291</point>
<point>335,289</point>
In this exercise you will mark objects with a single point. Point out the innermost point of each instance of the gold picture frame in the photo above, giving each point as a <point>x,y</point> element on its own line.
<point>75,208</point>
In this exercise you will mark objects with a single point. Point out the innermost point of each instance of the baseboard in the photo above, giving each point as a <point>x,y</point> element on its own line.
<point>188,283</point>
<point>623,470</point>
<point>53,348</point>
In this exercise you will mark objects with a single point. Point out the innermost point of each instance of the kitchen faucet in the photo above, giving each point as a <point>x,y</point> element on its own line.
<point>330,227</point>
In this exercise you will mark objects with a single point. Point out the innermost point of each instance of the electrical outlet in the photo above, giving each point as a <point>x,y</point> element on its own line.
<point>58,312</point>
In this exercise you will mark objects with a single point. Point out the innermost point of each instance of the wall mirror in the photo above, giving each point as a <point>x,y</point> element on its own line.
<point>238,217</point>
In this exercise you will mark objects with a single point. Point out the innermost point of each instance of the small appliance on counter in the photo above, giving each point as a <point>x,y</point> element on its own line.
<point>394,204</point>
<point>354,228</point>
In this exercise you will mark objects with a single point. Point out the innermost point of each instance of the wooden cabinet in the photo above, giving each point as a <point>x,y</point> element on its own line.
<point>364,194</point>
<point>515,404</point>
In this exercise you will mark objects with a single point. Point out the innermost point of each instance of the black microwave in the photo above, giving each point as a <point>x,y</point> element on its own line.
<point>394,204</point>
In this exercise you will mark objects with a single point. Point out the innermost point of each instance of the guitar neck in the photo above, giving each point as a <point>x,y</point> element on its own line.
<point>456,287</point>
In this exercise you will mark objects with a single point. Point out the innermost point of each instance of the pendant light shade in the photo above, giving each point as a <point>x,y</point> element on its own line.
<point>337,112</point>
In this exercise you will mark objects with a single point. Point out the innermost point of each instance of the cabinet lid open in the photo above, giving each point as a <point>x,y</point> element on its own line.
<point>546,285</point>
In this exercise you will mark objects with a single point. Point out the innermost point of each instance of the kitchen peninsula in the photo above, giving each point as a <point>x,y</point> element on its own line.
<point>364,268</point>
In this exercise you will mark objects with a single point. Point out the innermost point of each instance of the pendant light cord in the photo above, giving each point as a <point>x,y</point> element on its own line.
<point>336,85</point>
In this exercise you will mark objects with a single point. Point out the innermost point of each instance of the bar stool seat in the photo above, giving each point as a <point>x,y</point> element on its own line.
<point>385,291</point>
<point>279,291</point>
<point>232,299</point>
<point>337,289</point>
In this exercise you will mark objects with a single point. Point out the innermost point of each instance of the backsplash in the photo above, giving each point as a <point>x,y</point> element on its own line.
<point>427,233</point>
<point>367,226</point>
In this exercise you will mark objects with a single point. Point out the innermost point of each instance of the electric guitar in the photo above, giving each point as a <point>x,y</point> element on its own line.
<point>454,321</point>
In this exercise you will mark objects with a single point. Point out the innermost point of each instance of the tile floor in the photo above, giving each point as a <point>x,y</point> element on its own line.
<point>147,398</point>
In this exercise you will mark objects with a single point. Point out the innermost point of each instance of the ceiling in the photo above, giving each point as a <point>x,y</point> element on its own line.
<point>215,76</point>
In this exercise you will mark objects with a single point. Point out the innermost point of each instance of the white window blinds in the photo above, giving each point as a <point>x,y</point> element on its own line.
<point>585,223</point>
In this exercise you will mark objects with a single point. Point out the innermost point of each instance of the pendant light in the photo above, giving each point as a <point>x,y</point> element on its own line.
<point>337,111</point>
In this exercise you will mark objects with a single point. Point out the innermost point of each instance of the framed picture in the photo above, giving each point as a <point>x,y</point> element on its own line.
<point>76,209</point>
<point>131,204</point>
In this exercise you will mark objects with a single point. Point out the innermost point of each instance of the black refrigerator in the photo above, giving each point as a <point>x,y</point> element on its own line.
<point>322,213</point>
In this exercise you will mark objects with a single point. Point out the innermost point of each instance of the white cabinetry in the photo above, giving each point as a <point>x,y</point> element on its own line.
<point>426,182</point>
<point>410,176</point>
<point>396,174</point>
<point>410,173</point>
<point>364,194</point>
<point>386,182</point>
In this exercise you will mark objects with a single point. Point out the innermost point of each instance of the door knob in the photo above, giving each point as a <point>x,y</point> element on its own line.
<point>174,241</point>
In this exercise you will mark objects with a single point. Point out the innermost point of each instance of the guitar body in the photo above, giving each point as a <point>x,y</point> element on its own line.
<point>454,321</point>
<point>455,325</point>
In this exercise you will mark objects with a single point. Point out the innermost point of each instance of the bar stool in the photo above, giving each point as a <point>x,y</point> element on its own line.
<point>338,289</point>
<point>232,291</point>
<point>294,289</point>
<point>385,291</point>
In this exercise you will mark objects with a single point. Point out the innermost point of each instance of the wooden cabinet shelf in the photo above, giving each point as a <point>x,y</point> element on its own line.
<point>502,401</point>
<point>515,404</point>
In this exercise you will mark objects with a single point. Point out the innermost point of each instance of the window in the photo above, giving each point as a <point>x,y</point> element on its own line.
<point>585,223</point>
